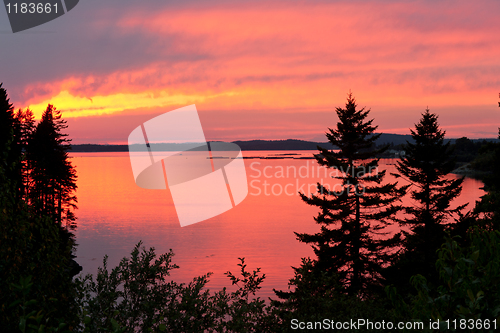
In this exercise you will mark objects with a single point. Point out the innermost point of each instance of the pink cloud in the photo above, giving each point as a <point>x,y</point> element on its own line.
<point>290,58</point>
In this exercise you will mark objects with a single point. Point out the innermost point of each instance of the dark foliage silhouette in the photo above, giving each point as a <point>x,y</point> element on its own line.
<point>352,242</point>
<point>427,165</point>
<point>52,176</point>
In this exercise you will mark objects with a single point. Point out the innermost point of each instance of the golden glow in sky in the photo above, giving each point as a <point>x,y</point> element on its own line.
<point>280,59</point>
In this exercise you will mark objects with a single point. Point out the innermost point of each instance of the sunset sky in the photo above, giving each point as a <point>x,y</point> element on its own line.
<point>259,69</point>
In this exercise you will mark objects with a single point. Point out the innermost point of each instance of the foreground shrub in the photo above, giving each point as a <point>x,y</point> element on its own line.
<point>469,287</point>
<point>137,296</point>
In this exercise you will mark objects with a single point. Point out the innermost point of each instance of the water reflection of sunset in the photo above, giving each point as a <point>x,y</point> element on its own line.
<point>114,214</point>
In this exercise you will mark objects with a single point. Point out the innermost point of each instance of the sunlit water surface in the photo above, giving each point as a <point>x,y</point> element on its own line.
<point>114,214</point>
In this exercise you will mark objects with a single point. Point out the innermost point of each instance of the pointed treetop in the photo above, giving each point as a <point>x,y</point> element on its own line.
<point>7,119</point>
<point>427,130</point>
<point>5,104</point>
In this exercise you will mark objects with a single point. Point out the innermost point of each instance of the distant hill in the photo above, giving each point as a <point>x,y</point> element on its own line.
<point>289,144</point>
<point>395,139</point>
<point>90,148</point>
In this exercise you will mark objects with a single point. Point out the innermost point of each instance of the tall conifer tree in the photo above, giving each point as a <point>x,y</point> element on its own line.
<point>26,122</point>
<point>6,118</point>
<point>352,242</point>
<point>427,164</point>
<point>52,175</point>
<point>9,140</point>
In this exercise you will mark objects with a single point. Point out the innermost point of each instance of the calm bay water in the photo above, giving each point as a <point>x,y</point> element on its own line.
<point>114,214</point>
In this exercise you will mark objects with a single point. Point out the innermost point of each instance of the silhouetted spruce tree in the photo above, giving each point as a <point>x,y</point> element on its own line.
<point>7,119</point>
<point>426,164</point>
<point>352,242</point>
<point>52,176</point>
<point>10,140</point>
<point>26,124</point>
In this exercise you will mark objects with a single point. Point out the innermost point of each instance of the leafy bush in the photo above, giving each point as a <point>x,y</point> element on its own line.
<point>137,296</point>
<point>469,288</point>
